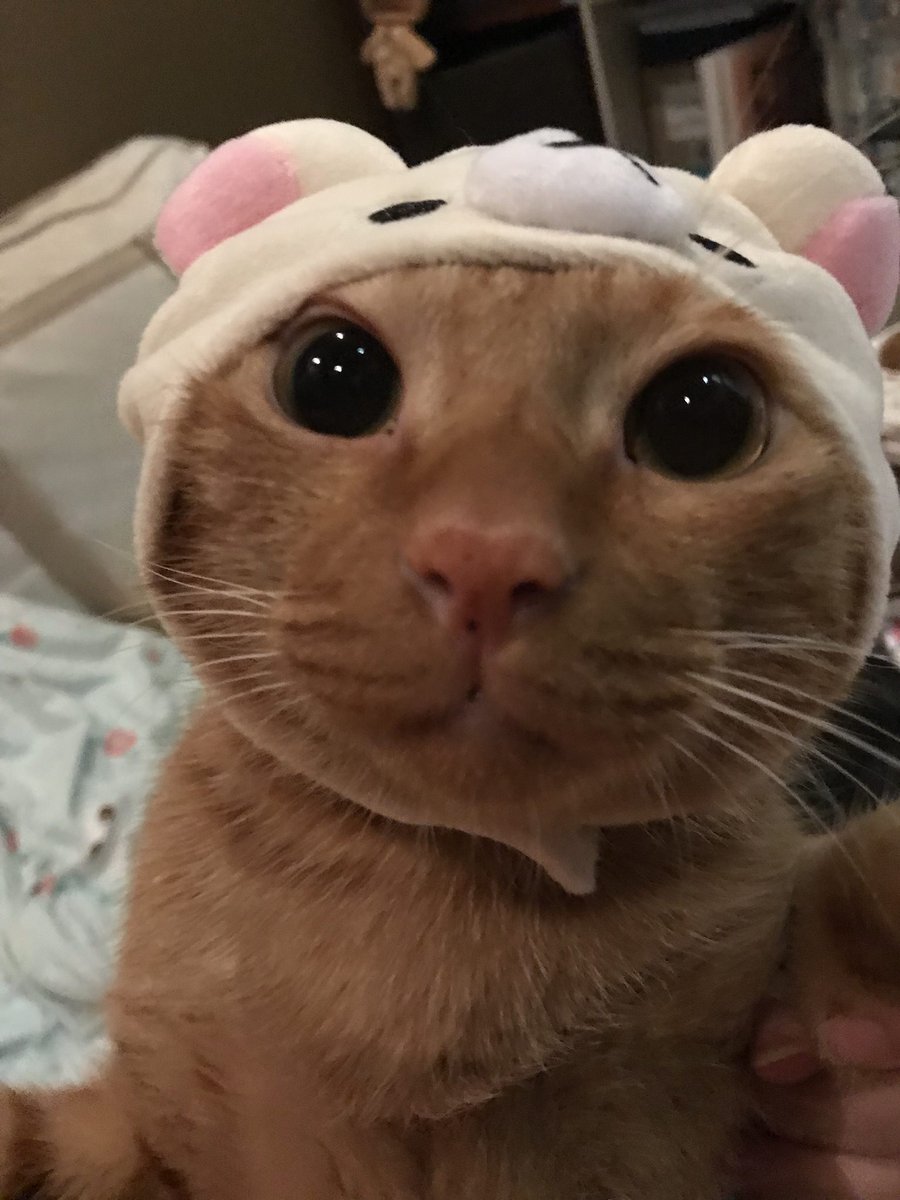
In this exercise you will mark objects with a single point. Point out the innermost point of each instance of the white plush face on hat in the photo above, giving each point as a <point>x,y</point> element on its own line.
<point>794,224</point>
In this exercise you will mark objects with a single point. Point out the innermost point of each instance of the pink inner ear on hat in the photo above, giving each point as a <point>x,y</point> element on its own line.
<point>238,185</point>
<point>859,245</point>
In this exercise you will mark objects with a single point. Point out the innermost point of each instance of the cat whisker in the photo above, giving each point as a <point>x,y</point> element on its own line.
<point>674,815</point>
<point>259,690</point>
<point>122,552</point>
<point>228,634</point>
<point>817,722</point>
<point>242,678</point>
<point>135,645</point>
<point>132,606</point>
<point>751,759</point>
<point>808,811</point>
<point>744,638</point>
<point>682,749</point>
<point>805,747</point>
<point>819,655</point>
<point>256,481</point>
<point>233,658</point>
<point>239,679</point>
<point>841,709</point>
<point>824,829</point>
<point>208,612</point>
<point>181,573</point>
<point>201,589</point>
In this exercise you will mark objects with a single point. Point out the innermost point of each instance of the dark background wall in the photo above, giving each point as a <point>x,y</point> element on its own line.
<point>79,76</point>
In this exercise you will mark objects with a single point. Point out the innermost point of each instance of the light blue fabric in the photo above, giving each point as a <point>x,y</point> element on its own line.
<point>88,710</point>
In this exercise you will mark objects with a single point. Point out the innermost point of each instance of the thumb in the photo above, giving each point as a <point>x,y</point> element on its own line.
<point>783,1051</point>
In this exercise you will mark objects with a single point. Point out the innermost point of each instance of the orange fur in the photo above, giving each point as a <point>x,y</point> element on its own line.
<point>337,981</point>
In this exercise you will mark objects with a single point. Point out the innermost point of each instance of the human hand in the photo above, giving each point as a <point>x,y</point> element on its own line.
<point>828,1104</point>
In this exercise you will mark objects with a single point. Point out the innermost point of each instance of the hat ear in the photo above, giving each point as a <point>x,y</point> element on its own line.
<point>824,200</point>
<point>247,179</point>
<point>888,347</point>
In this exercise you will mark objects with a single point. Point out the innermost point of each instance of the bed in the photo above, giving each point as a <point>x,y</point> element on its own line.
<point>88,710</point>
<point>91,697</point>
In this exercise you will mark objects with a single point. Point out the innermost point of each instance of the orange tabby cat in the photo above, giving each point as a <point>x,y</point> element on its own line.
<point>474,862</point>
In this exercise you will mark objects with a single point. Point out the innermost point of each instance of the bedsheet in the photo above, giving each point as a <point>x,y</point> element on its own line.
<point>88,710</point>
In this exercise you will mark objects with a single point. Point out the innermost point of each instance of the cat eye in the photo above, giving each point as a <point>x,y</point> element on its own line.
<point>701,417</point>
<point>337,379</point>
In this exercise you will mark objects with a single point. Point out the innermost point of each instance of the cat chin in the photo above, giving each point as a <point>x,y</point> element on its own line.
<point>429,770</point>
<point>501,755</point>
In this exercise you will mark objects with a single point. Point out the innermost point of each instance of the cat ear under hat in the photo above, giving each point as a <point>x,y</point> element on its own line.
<point>247,179</point>
<point>824,200</point>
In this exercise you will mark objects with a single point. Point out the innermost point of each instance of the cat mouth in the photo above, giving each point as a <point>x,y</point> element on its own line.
<point>477,703</point>
<point>498,707</point>
<point>478,726</point>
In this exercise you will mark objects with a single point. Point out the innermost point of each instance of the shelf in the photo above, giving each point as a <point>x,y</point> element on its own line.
<point>613,53</point>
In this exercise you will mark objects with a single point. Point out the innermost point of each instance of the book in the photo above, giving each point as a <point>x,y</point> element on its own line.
<point>771,78</point>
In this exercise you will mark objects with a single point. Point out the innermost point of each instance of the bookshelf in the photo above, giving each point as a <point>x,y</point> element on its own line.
<point>860,42</point>
<point>854,44</point>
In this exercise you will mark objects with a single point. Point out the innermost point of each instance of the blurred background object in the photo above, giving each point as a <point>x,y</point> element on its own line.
<point>78,77</point>
<point>676,80</point>
<point>860,42</point>
<point>679,81</point>
<point>395,52</point>
<point>503,67</point>
<point>79,279</point>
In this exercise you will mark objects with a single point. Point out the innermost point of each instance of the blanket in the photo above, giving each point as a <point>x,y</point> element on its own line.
<point>88,710</point>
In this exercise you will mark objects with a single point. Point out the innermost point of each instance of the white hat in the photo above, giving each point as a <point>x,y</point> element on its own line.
<point>794,224</point>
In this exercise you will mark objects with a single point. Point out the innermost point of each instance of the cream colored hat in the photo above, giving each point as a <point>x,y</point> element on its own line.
<point>793,224</point>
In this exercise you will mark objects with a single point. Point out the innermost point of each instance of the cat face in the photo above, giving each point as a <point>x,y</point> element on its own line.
<point>558,554</point>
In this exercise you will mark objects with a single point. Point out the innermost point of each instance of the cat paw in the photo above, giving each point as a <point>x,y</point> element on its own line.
<point>844,961</point>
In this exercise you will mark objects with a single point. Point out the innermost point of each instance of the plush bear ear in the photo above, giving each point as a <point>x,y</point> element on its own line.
<point>888,347</point>
<point>824,200</point>
<point>249,178</point>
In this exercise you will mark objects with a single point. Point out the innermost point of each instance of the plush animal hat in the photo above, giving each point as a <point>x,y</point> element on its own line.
<point>794,224</point>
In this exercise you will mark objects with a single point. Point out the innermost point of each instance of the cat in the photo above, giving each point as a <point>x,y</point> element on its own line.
<point>476,858</point>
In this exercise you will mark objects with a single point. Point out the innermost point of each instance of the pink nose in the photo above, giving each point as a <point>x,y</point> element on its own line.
<point>479,581</point>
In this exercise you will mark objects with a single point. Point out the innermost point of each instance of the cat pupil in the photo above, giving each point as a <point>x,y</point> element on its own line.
<point>343,382</point>
<point>697,419</point>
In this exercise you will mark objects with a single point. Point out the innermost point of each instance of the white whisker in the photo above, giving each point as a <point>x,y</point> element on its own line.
<point>225,583</point>
<point>222,593</point>
<point>817,722</point>
<point>842,709</point>
<point>203,637</point>
<point>727,710</point>
<point>260,690</point>
<point>824,829</point>
<point>755,762</point>
<point>739,638</point>
<point>210,612</point>
<point>233,658</point>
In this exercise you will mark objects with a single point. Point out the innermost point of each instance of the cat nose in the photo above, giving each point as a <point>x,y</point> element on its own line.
<point>479,581</point>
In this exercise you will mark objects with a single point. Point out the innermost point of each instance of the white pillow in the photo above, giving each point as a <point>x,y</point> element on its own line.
<point>26,579</point>
<point>79,280</point>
